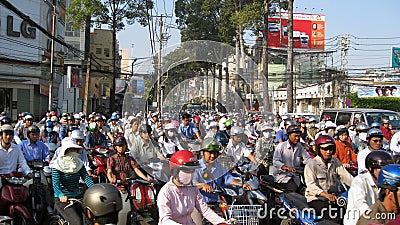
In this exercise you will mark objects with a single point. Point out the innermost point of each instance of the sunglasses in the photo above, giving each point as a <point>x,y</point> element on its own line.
<point>377,141</point>
<point>329,148</point>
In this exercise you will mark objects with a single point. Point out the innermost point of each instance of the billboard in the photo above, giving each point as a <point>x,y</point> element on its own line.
<point>308,31</point>
<point>74,77</point>
<point>378,91</point>
<point>396,57</point>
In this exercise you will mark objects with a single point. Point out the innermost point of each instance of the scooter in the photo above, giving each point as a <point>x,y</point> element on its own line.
<point>98,158</point>
<point>13,198</point>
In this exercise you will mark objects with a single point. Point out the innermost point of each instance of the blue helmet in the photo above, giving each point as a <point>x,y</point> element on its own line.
<point>389,177</point>
<point>49,124</point>
<point>114,117</point>
<point>222,138</point>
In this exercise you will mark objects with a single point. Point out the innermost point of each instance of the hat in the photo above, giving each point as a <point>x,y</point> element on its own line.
<point>68,144</point>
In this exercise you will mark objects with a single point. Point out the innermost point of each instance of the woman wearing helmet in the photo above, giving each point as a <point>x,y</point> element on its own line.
<point>321,176</point>
<point>49,135</point>
<point>344,152</point>
<point>265,145</point>
<point>385,209</point>
<point>237,148</point>
<point>288,156</point>
<point>178,198</point>
<point>67,170</point>
<point>374,141</point>
<point>101,204</point>
<point>169,142</point>
<point>329,129</point>
<point>364,190</point>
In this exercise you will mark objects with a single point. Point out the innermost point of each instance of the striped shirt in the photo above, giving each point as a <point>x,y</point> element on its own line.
<point>68,184</point>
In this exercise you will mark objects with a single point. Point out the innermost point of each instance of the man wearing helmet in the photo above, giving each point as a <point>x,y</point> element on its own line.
<point>212,175</point>
<point>48,135</point>
<point>312,129</point>
<point>7,120</point>
<point>94,137</point>
<point>101,124</point>
<point>364,190</point>
<point>115,126</point>
<point>344,151</point>
<point>34,149</point>
<point>237,148</point>
<point>288,156</point>
<point>169,142</point>
<point>11,155</point>
<point>64,129</point>
<point>145,148</point>
<point>329,129</point>
<point>359,142</point>
<point>281,135</point>
<point>321,176</point>
<point>387,206</point>
<point>178,198</point>
<point>22,130</point>
<point>265,147</point>
<point>212,129</point>
<point>132,135</point>
<point>101,204</point>
<point>187,129</point>
<point>374,141</point>
<point>395,146</point>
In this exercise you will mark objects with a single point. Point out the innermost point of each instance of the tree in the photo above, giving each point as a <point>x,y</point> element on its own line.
<point>115,14</point>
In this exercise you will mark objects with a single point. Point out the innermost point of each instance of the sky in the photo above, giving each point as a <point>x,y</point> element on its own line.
<point>372,26</point>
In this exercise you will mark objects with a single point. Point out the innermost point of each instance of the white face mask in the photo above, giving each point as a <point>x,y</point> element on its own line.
<point>170,133</point>
<point>267,135</point>
<point>363,136</point>
<point>185,178</point>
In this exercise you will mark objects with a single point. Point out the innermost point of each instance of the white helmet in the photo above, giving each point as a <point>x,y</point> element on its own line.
<point>330,125</point>
<point>54,119</point>
<point>235,130</point>
<point>77,135</point>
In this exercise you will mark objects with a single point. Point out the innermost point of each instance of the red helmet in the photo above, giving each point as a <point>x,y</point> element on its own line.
<point>183,159</point>
<point>52,113</point>
<point>196,119</point>
<point>325,140</point>
<point>303,120</point>
<point>326,117</point>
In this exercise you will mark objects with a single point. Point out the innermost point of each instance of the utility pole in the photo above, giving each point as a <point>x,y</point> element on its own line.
<point>114,59</point>
<point>289,87</point>
<point>265,57</point>
<point>51,78</point>
<point>344,48</point>
<point>86,97</point>
<point>159,67</point>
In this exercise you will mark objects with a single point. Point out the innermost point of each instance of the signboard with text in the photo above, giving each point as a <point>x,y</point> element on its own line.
<point>308,31</point>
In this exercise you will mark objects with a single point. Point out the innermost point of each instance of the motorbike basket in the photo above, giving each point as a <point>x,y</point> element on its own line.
<point>245,214</point>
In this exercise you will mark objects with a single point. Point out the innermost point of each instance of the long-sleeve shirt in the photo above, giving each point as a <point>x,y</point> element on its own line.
<point>320,177</point>
<point>362,194</point>
<point>176,204</point>
<point>344,152</point>
<point>395,144</point>
<point>361,159</point>
<point>37,151</point>
<point>95,140</point>
<point>12,159</point>
<point>286,155</point>
<point>68,184</point>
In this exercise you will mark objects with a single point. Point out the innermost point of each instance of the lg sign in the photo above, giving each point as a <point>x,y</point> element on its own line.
<point>26,30</point>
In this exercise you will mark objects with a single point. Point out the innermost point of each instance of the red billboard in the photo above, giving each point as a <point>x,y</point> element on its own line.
<point>308,31</point>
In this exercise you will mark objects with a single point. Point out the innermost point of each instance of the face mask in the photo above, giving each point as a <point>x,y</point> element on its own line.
<point>267,135</point>
<point>48,129</point>
<point>170,133</point>
<point>185,178</point>
<point>73,155</point>
<point>363,136</point>
<point>332,134</point>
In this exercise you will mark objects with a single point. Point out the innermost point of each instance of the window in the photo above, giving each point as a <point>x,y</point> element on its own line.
<point>343,118</point>
<point>98,51</point>
<point>107,52</point>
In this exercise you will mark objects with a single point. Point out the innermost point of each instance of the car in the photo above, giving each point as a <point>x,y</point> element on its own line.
<point>362,115</point>
<point>305,115</point>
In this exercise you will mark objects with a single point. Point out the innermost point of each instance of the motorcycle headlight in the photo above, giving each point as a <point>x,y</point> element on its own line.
<point>16,180</point>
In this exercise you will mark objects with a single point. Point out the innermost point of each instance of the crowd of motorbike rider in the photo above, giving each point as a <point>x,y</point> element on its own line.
<point>303,155</point>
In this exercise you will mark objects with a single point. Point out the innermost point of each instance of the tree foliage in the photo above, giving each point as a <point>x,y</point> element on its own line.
<point>389,103</point>
<point>104,12</point>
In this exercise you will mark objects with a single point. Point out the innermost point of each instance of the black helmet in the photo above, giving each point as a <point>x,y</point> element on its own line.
<point>120,141</point>
<point>342,129</point>
<point>98,118</point>
<point>33,129</point>
<point>72,127</point>
<point>289,123</point>
<point>374,133</point>
<point>378,159</point>
<point>362,127</point>
<point>145,128</point>
<point>103,199</point>
<point>222,138</point>
<point>293,129</point>
<point>5,120</point>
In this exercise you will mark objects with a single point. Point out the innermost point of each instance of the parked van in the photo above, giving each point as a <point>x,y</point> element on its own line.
<point>341,115</point>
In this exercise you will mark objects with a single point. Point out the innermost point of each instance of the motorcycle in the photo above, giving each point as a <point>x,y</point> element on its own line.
<point>13,198</point>
<point>39,194</point>
<point>6,220</point>
<point>98,162</point>
<point>57,219</point>
<point>141,197</point>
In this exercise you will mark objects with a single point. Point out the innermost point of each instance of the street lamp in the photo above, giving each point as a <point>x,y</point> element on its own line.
<point>163,86</point>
